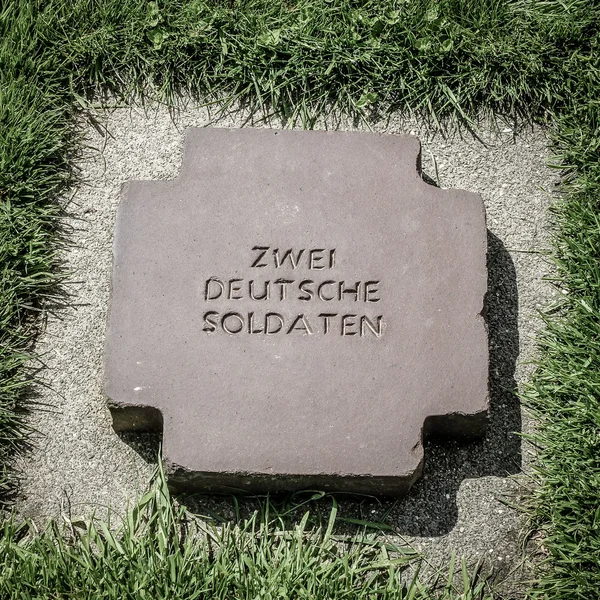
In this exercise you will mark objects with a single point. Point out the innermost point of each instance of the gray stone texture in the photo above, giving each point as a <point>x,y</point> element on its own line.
<point>298,309</point>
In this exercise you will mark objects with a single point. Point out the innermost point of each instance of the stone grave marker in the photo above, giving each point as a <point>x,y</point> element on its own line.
<point>297,309</point>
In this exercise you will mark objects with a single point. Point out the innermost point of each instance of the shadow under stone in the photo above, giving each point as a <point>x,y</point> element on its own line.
<point>430,508</point>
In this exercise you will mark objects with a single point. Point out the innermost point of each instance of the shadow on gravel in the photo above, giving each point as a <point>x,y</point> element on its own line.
<point>430,509</point>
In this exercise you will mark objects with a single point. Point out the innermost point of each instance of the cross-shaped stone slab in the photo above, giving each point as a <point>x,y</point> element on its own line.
<point>298,309</point>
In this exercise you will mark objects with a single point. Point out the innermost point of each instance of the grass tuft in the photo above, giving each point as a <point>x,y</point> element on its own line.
<point>565,393</point>
<point>160,553</point>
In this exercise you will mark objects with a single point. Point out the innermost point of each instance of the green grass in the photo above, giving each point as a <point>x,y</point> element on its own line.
<point>447,60</point>
<point>34,169</point>
<point>303,59</point>
<point>566,391</point>
<point>159,553</point>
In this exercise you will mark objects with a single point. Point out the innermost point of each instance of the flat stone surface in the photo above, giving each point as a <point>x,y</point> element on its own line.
<point>371,334</point>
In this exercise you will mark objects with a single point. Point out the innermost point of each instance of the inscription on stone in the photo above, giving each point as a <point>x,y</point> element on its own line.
<point>297,309</point>
<point>315,291</point>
